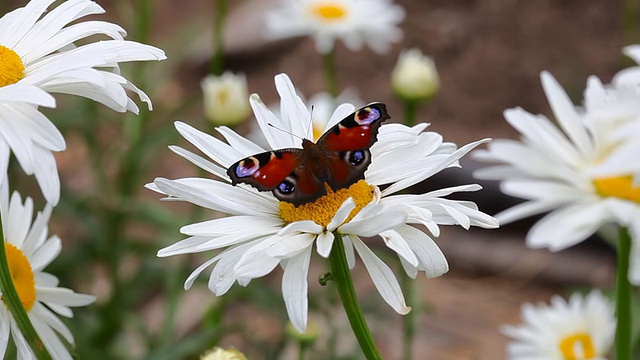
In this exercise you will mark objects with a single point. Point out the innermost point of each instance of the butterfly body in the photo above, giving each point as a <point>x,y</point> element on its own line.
<point>339,159</point>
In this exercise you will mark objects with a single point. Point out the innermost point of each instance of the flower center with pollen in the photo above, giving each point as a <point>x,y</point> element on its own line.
<point>11,67</point>
<point>328,11</point>
<point>323,209</point>
<point>21,275</point>
<point>577,347</point>
<point>619,186</point>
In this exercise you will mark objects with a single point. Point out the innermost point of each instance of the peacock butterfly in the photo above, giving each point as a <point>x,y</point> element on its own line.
<point>339,158</point>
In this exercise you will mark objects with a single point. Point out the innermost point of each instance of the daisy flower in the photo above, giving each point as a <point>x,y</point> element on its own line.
<point>556,170</point>
<point>29,251</point>
<point>582,328</point>
<point>615,109</point>
<point>261,233</point>
<point>37,57</point>
<point>351,21</point>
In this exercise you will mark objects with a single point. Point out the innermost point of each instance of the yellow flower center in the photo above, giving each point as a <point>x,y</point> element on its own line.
<point>328,11</point>
<point>11,67</point>
<point>22,276</point>
<point>322,210</point>
<point>577,347</point>
<point>619,186</point>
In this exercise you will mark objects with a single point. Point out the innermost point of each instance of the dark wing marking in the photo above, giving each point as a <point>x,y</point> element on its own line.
<point>357,131</point>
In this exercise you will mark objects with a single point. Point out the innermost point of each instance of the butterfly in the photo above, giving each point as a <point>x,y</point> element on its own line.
<point>339,158</point>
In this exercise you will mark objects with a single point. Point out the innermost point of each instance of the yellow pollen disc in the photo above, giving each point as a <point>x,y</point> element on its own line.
<point>577,347</point>
<point>323,209</point>
<point>619,186</point>
<point>317,132</point>
<point>328,11</point>
<point>22,276</point>
<point>11,67</point>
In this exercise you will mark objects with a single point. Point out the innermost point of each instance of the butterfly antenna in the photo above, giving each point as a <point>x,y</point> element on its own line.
<point>285,131</point>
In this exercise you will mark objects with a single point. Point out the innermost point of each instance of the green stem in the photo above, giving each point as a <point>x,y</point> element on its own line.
<point>217,61</point>
<point>12,300</point>
<point>342,277</point>
<point>330,74</point>
<point>623,298</point>
<point>410,112</point>
<point>411,318</point>
<point>630,27</point>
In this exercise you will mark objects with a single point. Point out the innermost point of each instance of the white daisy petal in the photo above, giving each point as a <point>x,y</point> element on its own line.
<point>294,288</point>
<point>325,243</point>
<point>382,276</point>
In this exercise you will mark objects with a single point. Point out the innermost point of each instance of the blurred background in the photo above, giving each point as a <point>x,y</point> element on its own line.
<point>489,54</point>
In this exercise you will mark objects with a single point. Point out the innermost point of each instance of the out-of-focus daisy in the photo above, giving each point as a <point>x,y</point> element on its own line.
<point>415,77</point>
<point>351,21</point>
<point>615,110</point>
<point>225,98</point>
<point>582,328</point>
<point>553,168</point>
<point>29,251</point>
<point>261,232</point>
<point>37,56</point>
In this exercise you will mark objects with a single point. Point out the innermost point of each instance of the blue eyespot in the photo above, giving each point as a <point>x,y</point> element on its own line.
<point>247,168</point>
<point>356,158</point>
<point>286,187</point>
<point>367,116</point>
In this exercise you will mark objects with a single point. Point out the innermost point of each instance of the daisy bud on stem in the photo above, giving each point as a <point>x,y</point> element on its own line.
<point>414,80</point>
<point>219,353</point>
<point>225,98</point>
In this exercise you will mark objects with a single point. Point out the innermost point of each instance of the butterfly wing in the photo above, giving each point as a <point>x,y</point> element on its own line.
<point>280,172</point>
<point>348,143</point>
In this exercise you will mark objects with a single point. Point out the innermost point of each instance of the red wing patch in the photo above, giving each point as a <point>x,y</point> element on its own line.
<point>357,131</point>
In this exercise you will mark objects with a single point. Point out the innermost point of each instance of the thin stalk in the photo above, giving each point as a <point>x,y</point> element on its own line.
<point>410,320</point>
<point>12,300</point>
<point>217,61</point>
<point>630,26</point>
<point>330,73</point>
<point>342,276</point>
<point>410,112</point>
<point>623,298</point>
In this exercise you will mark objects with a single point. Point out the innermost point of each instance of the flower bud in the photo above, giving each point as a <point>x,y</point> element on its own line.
<point>223,354</point>
<point>415,77</point>
<point>226,99</point>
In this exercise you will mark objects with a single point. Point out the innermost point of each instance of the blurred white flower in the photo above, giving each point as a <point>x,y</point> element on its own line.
<point>37,57</point>
<point>415,77</point>
<point>225,98</point>
<point>356,22</point>
<point>582,328</point>
<point>29,251</point>
<point>557,170</point>
<point>262,233</point>
<point>615,110</point>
